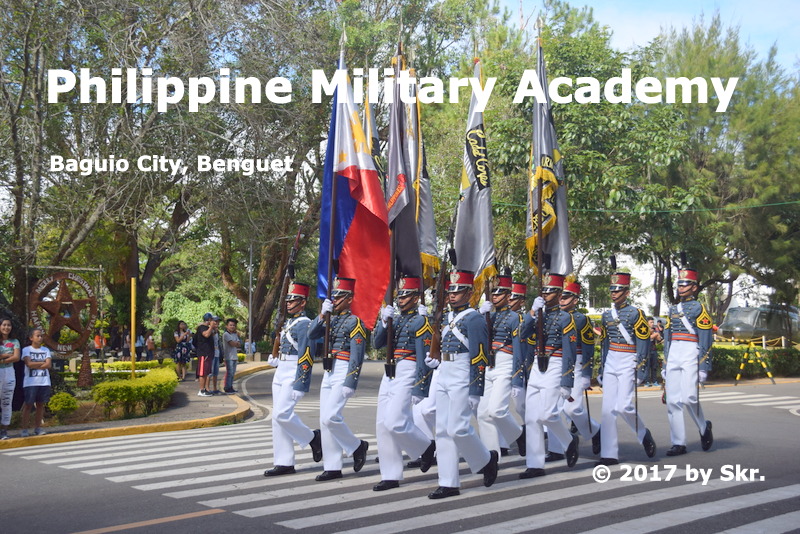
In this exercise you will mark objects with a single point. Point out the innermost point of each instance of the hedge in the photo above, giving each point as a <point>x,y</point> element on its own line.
<point>727,360</point>
<point>126,366</point>
<point>149,393</point>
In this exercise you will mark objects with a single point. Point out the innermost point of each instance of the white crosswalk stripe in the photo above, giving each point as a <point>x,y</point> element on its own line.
<point>738,397</point>
<point>234,482</point>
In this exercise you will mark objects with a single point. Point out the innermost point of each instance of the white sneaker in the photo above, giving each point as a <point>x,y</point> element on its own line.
<point>24,433</point>
<point>3,434</point>
<point>39,432</point>
<point>204,393</point>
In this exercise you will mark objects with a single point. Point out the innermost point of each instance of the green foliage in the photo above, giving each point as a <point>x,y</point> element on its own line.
<point>726,362</point>
<point>167,363</point>
<point>149,394</point>
<point>62,404</point>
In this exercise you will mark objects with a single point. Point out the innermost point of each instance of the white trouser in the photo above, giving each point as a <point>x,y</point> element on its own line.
<point>336,435</point>
<point>541,408</point>
<point>494,416</point>
<point>577,413</point>
<point>286,425</point>
<point>8,380</point>
<point>681,389</point>
<point>454,432</point>
<point>394,423</point>
<point>425,410</point>
<point>618,389</point>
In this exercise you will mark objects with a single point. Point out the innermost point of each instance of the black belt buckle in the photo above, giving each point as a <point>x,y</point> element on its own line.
<point>327,363</point>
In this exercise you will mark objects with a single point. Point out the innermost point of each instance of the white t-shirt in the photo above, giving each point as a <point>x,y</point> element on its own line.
<point>36,377</point>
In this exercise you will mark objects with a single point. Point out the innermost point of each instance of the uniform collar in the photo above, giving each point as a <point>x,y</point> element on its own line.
<point>553,307</point>
<point>504,308</point>
<point>461,308</point>
<point>410,311</point>
<point>295,315</point>
<point>687,299</point>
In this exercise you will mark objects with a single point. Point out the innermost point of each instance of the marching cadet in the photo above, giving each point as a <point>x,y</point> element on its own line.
<point>465,343</point>
<point>287,427</point>
<point>347,344</point>
<point>625,344</point>
<point>496,423</point>
<point>520,376</point>
<point>687,341</point>
<point>394,423</point>
<point>584,360</point>
<point>551,377</point>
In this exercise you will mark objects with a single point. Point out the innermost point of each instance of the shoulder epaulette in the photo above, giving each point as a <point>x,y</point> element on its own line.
<point>587,333</point>
<point>704,319</point>
<point>570,325</point>
<point>641,327</point>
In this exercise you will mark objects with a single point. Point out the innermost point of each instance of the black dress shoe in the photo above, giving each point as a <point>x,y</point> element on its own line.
<point>522,445</point>
<point>328,475</point>
<point>707,437</point>
<point>360,456</point>
<point>572,452</point>
<point>504,451</point>
<point>426,460</point>
<point>607,461</point>
<point>384,485</point>
<point>490,469</point>
<point>443,492</point>
<point>649,444</point>
<point>596,443</point>
<point>572,428</point>
<point>415,464</point>
<point>677,450</point>
<point>553,456</point>
<point>279,470</point>
<point>316,446</point>
<point>532,472</point>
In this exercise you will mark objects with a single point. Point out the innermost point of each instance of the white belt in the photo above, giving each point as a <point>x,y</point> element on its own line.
<point>291,357</point>
<point>452,356</point>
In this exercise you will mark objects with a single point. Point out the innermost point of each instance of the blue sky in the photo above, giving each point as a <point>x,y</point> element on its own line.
<point>635,22</point>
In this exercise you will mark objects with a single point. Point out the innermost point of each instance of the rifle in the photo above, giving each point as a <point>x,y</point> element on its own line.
<point>287,278</point>
<point>489,326</point>
<point>441,299</point>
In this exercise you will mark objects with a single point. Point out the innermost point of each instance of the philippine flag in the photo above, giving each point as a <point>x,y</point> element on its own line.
<point>360,219</point>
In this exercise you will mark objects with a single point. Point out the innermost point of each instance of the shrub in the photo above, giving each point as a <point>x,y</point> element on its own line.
<point>150,393</point>
<point>62,404</point>
<point>167,363</point>
<point>727,361</point>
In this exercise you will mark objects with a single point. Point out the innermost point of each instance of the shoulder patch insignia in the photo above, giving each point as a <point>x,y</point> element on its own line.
<point>425,328</point>
<point>306,359</point>
<point>704,320</point>
<point>570,325</point>
<point>669,323</point>
<point>358,329</point>
<point>587,334</point>
<point>481,356</point>
<point>641,327</point>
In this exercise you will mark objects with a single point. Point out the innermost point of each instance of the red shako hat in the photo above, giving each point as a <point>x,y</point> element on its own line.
<point>518,290</point>
<point>297,290</point>
<point>343,286</point>
<point>572,287</point>
<point>552,282</point>
<point>460,280</point>
<point>620,281</point>
<point>687,276</point>
<point>503,284</point>
<point>408,285</point>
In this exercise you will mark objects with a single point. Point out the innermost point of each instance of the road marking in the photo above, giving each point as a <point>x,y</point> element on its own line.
<point>774,400</point>
<point>699,512</point>
<point>151,522</point>
<point>774,525</point>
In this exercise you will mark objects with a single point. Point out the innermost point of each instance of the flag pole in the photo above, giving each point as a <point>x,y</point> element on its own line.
<point>539,253</point>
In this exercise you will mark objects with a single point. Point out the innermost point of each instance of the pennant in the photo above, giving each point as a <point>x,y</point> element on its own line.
<point>547,167</point>
<point>474,236</point>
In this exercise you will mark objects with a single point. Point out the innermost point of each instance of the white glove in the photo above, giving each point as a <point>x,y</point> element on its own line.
<point>327,307</point>
<point>386,313</point>
<point>347,392</point>
<point>538,304</point>
<point>516,392</point>
<point>664,373</point>
<point>600,380</point>
<point>586,382</point>
<point>639,381</point>
<point>474,400</point>
<point>415,399</point>
<point>297,395</point>
<point>422,310</point>
<point>273,361</point>
<point>702,376</point>
<point>433,363</point>
<point>565,392</point>
<point>486,307</point>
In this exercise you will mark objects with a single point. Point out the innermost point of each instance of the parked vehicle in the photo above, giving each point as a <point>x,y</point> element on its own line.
<point>745,323</point>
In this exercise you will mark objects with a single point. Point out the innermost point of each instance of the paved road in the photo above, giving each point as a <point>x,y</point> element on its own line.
<point>210,480</point>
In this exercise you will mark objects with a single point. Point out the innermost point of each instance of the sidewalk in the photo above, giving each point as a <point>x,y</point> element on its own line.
<point>186,411</point>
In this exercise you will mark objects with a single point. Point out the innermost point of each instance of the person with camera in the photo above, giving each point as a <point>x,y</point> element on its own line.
<point>206,351</point>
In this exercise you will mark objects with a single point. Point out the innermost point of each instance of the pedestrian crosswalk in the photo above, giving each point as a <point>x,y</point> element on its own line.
<point>565,499</point>
<point>742,398</point>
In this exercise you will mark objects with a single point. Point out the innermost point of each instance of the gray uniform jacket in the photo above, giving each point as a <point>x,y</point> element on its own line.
<point>560,338</point>
<point>412,340</point>
<point>636,325</point>
<point>473,327</point>
<point>585,346</point>
<point>347,344</point>
<point>699,319</point>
